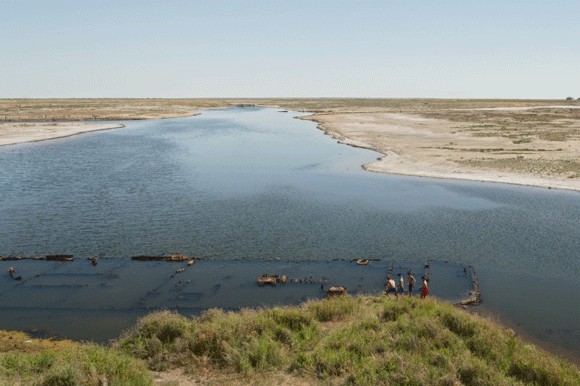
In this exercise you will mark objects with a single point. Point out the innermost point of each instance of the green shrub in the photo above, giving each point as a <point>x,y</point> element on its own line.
<point>333,309</point>
<point>348,340</point>
<point>87,364</point>
<point>65,376</point>
<point>293,319</point>
<point>157,338</point>
<point>459,324</point>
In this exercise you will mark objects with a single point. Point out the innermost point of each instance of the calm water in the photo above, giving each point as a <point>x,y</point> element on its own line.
<point>254,184</point>
<point>82,301</point>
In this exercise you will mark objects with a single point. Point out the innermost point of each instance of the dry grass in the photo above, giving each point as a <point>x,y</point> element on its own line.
<point>456,110</point>
<point>19,341</point>
<point>36,110</point>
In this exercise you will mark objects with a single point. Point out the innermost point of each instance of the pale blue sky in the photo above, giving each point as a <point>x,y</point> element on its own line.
<point>270,48</point>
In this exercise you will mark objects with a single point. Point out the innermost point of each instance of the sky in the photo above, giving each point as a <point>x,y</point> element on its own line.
<point>290,48</point>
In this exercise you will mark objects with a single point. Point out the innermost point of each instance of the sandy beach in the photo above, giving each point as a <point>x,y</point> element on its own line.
<point>13,133</point>
<point>415,145</point>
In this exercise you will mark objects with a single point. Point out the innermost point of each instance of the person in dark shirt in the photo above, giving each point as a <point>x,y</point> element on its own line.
<point>411,280</point>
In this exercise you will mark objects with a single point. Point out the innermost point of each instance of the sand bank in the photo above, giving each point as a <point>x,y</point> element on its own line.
<point>417,146</point>
<point>13,133</point>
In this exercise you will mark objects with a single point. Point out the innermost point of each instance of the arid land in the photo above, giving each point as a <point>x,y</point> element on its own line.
<point>529,142</point>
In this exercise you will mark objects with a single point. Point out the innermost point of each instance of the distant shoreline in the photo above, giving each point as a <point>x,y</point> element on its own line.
<point>530,143</point>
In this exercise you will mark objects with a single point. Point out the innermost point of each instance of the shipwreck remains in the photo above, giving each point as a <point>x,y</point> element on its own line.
<point>12,273</point>
<point>336,291</point>
<point>47,258</point>
<point>268,279</point>
<point>474,297</point>
<point>177,257</point>
<point>59,257</point>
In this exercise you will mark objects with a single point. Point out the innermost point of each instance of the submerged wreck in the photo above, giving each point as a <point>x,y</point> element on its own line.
<point>336,291</point>
<point>474,297</point>
<point>47,258</point>
<point>268,279</point>
<point>12,273</point>
<point>177,257</point>
<point>59,257</point>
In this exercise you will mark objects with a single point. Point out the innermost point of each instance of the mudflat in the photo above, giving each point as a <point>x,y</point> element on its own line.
<point>13,133</point>
<point>530,142</point>
<point>534,146</point>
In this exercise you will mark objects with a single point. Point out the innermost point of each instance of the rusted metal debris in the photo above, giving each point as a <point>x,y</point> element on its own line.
<point>336,291</point>
<point>268,279</point>
<point>47,258</point>
<point>474,297</point>
<point>59,257</point>
<point>177,257</point>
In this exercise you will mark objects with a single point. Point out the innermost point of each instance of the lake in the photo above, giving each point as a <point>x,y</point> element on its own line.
<point>245,186</point>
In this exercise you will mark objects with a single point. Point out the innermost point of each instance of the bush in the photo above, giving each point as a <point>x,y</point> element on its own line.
<point>332,309</point>
<point>157,338</point>
<point>348,340</point>
<point>86,364</point>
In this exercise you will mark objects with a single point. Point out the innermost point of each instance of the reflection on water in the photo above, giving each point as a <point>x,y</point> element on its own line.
<point>253,184</point>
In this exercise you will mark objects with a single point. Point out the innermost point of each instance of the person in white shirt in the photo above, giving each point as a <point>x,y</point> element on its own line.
<point>401,287</point>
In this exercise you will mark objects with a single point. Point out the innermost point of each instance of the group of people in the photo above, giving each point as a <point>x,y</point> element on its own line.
<point>392,287</point>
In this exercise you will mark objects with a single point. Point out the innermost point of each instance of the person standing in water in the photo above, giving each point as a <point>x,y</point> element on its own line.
<point>390,286</point>
<point>401,287</point>
<point>411,280</point>
<point>425,288</point>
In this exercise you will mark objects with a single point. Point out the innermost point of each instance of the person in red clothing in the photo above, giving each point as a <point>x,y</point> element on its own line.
<point>425,288</point>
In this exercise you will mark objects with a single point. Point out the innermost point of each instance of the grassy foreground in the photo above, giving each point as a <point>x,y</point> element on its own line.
<point>346,340</point>
<point>25,361</point>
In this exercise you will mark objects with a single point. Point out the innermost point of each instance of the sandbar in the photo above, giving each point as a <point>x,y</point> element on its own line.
<point>14,133</point>
<point>415,145</point>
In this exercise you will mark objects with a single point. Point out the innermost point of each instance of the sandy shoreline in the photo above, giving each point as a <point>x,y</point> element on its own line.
<point>15,133</point>
<point>424,147</point>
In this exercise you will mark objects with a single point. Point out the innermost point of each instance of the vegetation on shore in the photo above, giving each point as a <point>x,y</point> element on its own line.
<point>344,340</point>
<point>111,109</point>
<point>26,361</point>
<point>348,340</point>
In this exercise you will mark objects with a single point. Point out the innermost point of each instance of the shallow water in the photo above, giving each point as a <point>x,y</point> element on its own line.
<point>253,184</point>
<point>81,301</point>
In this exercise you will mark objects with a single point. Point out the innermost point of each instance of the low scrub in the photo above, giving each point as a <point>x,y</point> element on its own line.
<point>346,340</point>
<point>47,363</point>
